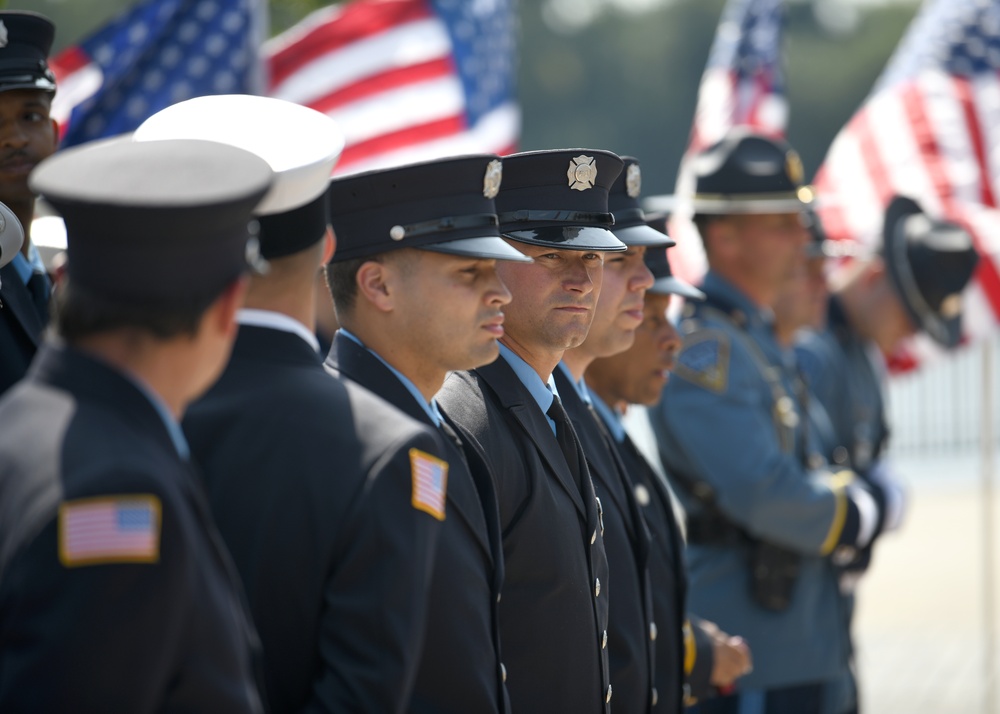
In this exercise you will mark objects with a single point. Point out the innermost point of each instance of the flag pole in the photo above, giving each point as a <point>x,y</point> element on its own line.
<point>989,618</point>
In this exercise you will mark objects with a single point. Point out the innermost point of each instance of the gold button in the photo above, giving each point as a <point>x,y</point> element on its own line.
<point>607,699</point>
<point>604,640</point>
<point>597,587</point>
<point>652,631</point>
<point>503,672</point>
<point>655,696</point>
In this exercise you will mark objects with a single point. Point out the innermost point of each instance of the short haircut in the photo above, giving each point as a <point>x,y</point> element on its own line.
<point>79,313</point>
<point>342,279</point>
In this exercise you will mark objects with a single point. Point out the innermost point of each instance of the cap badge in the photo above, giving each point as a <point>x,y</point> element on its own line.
<point>793,165</point>
<point>633,180</point>
<point>582,172</point>
<point>3,34</point>
<point>491,181</point>
<point>397,233</point>
<point>951,306</point>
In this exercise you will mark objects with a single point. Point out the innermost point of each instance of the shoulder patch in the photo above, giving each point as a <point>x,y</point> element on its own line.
<point>430,483</point>
<point>704,360</point>
<point>110,529</point>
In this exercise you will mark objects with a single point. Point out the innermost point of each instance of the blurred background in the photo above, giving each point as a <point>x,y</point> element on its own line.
<point>623,74</point>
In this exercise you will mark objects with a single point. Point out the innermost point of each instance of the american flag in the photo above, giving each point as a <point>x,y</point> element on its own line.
<point>112,529</point>
<point>930,129</point>
<point>407,80</point>
<point>158,53</point>
<point>743,85</point>
<point>430,483</point>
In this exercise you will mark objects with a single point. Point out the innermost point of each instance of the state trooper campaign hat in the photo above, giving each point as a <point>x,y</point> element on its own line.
<point>11,235</point>
<point>623,202</point>
<point>25,41</point>
<point>749,173</point>
<point>559,199</point>
<point>929,263</point>
<point>445,206</point>
<point>664,280</point>
<point>157,221</point>
<point>300,144</point>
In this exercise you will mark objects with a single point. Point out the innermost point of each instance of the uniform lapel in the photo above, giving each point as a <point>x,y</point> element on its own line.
<point>15,297</point>
<point>515,398</point>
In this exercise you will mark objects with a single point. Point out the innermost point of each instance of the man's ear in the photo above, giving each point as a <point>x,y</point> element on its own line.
<point>374,280</point>
<point>222,313</point>
<point>329,245</point>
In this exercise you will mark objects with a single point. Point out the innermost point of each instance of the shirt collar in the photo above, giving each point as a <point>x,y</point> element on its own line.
<point>611,417</point>
<point>431,407</point>
<point>277,321</point>
<point>580,387</point>
<point>717,286</point>
<point>173,428</point>
<point>540,391</point>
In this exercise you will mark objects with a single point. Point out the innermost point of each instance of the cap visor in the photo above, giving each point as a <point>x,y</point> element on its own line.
<point>11,237</point>
<point>643,235</point>
<point>489,247</point>
<point>675,286</point>
<point>569,238</point>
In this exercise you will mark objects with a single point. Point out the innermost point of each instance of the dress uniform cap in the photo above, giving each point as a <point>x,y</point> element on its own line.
<point>25,41</point>
<point>300,144</point>
<point>623,202</point>
<point>445,206</point>
<point>11,235</point>
<point>559,199</point>
<point>929,262</point>
<point>664,281</point>
<point>155,221</point>
<point>749,173</point>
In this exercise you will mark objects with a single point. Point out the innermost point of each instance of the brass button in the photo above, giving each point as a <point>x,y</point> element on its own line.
<point>607,699</point>
<point>655,697</point>
<point>604,641</point>
<point>597,587</point>
<point>503,672</point>
<point>652,631</point>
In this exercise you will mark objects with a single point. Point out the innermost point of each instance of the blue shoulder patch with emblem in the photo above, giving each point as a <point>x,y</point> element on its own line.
<point>704,360</point>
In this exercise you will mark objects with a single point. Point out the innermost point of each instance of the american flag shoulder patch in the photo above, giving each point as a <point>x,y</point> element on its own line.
<point>110,529</point>
<point>430,483</point>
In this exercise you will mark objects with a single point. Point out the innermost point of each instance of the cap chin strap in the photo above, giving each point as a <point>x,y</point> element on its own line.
<point>909,283</point>
<point>575,217</point>
<point>443,225</point>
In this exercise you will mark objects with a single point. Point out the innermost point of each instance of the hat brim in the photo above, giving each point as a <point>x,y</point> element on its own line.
<point>11,236</point>
<point>488,247</point>
<point>758,204</point>
<point>675,286</point>
<point>945,331</point>
<point>643,235</point>
<point>569,238</point>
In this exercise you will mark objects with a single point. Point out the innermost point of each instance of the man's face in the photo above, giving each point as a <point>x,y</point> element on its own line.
<point>450,308</point>
<point>891,320</point>
<point>27,135</point>
<point>802,300</point>
<point>554,297</point>
<point>638,375</point>
<point>620,307</point>
<point>770,246</point>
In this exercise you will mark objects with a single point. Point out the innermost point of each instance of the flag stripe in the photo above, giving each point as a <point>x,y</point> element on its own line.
<point>339,27</point>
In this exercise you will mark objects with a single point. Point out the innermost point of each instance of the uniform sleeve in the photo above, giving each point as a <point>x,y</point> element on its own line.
<point>716,424</point>
<point>372,628</point>
<point>81,633</point>
<point>699,646</point>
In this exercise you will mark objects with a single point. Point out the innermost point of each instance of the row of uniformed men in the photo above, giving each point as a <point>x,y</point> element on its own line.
<point>338,537</point>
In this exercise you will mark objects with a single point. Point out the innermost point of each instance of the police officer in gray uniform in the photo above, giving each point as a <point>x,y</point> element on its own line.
<point>762,522</point>
<point>914,283</point>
